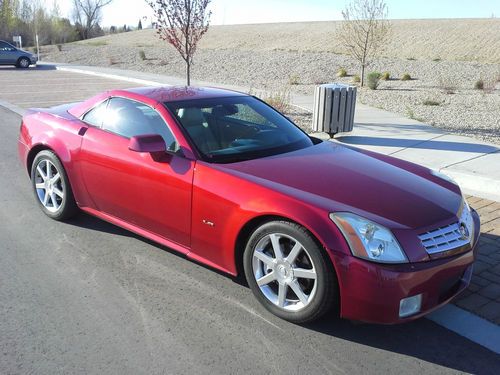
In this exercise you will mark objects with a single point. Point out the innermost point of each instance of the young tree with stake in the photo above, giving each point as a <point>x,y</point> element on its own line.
<point>365,30</point>
<point>182,23</point>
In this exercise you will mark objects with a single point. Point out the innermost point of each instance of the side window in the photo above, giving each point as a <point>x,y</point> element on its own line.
<point>4,46</point>
<point>96,115</point>
<point>129,118</point>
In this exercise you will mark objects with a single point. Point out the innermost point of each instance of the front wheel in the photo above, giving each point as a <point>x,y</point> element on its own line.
<point>23,62</point>
<point>289,273</point>
<point>51,186</point>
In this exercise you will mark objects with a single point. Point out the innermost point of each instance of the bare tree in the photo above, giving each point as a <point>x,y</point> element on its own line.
<point>365,30</point>
<point>88,13</point>
<point>182,23</point>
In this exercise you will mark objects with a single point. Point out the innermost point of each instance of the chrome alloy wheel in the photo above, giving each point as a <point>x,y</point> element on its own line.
<point>284,271</point>
<point>24,63</point>
<point>49,186</point>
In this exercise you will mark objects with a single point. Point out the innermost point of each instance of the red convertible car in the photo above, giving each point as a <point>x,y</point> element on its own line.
<point>315,226</point>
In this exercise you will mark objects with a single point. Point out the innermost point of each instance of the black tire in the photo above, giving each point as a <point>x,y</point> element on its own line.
<point>326,293</point>
<point>65,207</point>
<point>23,63</point>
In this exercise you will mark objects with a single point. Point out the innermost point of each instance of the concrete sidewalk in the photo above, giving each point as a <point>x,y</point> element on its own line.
<point>475,165</point>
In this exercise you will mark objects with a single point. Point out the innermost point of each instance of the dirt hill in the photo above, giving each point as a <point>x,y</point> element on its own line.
<point>446,39</point>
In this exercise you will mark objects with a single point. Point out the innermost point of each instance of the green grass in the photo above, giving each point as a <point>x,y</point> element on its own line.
<point>97,43</point>
<point>430,102</point>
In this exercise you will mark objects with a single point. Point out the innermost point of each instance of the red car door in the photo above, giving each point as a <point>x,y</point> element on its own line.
<point>154,195</point>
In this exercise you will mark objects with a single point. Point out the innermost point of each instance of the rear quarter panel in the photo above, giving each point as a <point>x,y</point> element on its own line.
<point>42,130</point>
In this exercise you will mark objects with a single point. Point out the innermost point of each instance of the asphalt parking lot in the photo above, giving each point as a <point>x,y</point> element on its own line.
<point>44,86</point>
<point>87,297</point>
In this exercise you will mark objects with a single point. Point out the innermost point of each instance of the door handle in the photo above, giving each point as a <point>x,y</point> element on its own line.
<point>82,131</point>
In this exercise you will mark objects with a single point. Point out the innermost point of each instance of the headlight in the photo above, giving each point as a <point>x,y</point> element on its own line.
<point>369,240</point>
<point>467,220</point>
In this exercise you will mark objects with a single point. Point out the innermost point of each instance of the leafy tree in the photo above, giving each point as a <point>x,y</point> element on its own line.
<point>365,30</point>
<point>28,18</point>
<point>182,23</point>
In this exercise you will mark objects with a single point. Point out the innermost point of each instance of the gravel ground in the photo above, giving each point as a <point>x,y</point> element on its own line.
<point>459,108</point>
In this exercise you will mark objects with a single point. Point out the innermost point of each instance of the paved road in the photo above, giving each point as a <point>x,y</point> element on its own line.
<point>88,297</point>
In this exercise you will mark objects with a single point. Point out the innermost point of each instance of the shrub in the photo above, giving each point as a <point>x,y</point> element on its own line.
<point>280,100</point>
<point>97,43</point>
<point>411,58</point>
<point>437,59</point>
<point>411,114</point>
<point>142,55</point>
<point>356,78</point>
<point>405,77</point>
<point>59,47</point>
<point>341,73</point>
<point>294,79</point>
<point>373,79</point>
<point>385,76</point>
<point>447,85</point>
<point>479,85</point>
<point>430,102</point>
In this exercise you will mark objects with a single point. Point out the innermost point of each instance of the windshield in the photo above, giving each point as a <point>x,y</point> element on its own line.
<point>238,128</point>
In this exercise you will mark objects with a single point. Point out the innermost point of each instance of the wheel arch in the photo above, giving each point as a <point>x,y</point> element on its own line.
<point>34,152</point>
<point>250,226</point>
<point>254,223</point>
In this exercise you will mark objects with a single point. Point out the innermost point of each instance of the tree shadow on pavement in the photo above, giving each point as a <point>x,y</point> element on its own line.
<point>419,144</point>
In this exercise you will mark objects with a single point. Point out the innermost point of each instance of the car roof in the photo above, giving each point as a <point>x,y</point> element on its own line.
<point>162,94</point>
<point>179,93</point>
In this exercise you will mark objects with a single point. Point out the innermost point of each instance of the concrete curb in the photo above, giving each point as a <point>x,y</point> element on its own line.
<point>110,76</point>
<point>11,107</point>
<point>480,186</point>
<point>468,325</point>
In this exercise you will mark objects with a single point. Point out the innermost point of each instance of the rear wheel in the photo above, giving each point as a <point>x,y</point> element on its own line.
<point>23,62</point>
<point>289,273</point>
<point>51,186</point>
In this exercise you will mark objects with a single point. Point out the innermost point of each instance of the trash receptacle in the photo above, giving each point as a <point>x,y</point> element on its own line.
<point>334,106</point>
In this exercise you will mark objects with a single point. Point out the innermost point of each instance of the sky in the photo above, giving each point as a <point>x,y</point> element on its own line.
<point>226,12</point>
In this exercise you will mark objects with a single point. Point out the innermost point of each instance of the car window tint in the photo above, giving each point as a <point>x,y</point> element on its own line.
<point>96,115</point>
<point>129,118</point>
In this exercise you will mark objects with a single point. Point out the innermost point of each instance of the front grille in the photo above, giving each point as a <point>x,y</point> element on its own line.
<point>443,239</point>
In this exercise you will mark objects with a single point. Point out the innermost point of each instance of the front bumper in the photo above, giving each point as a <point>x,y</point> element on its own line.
<point>371,292</point>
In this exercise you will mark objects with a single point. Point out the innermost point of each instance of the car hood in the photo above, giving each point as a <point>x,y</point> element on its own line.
<point>339,178</point>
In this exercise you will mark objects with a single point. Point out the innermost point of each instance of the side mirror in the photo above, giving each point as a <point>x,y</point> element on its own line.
<point>152,143</point>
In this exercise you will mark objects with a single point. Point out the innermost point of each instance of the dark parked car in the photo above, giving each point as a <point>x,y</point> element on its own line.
<point>10,55</point>
<point>226,180</point>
